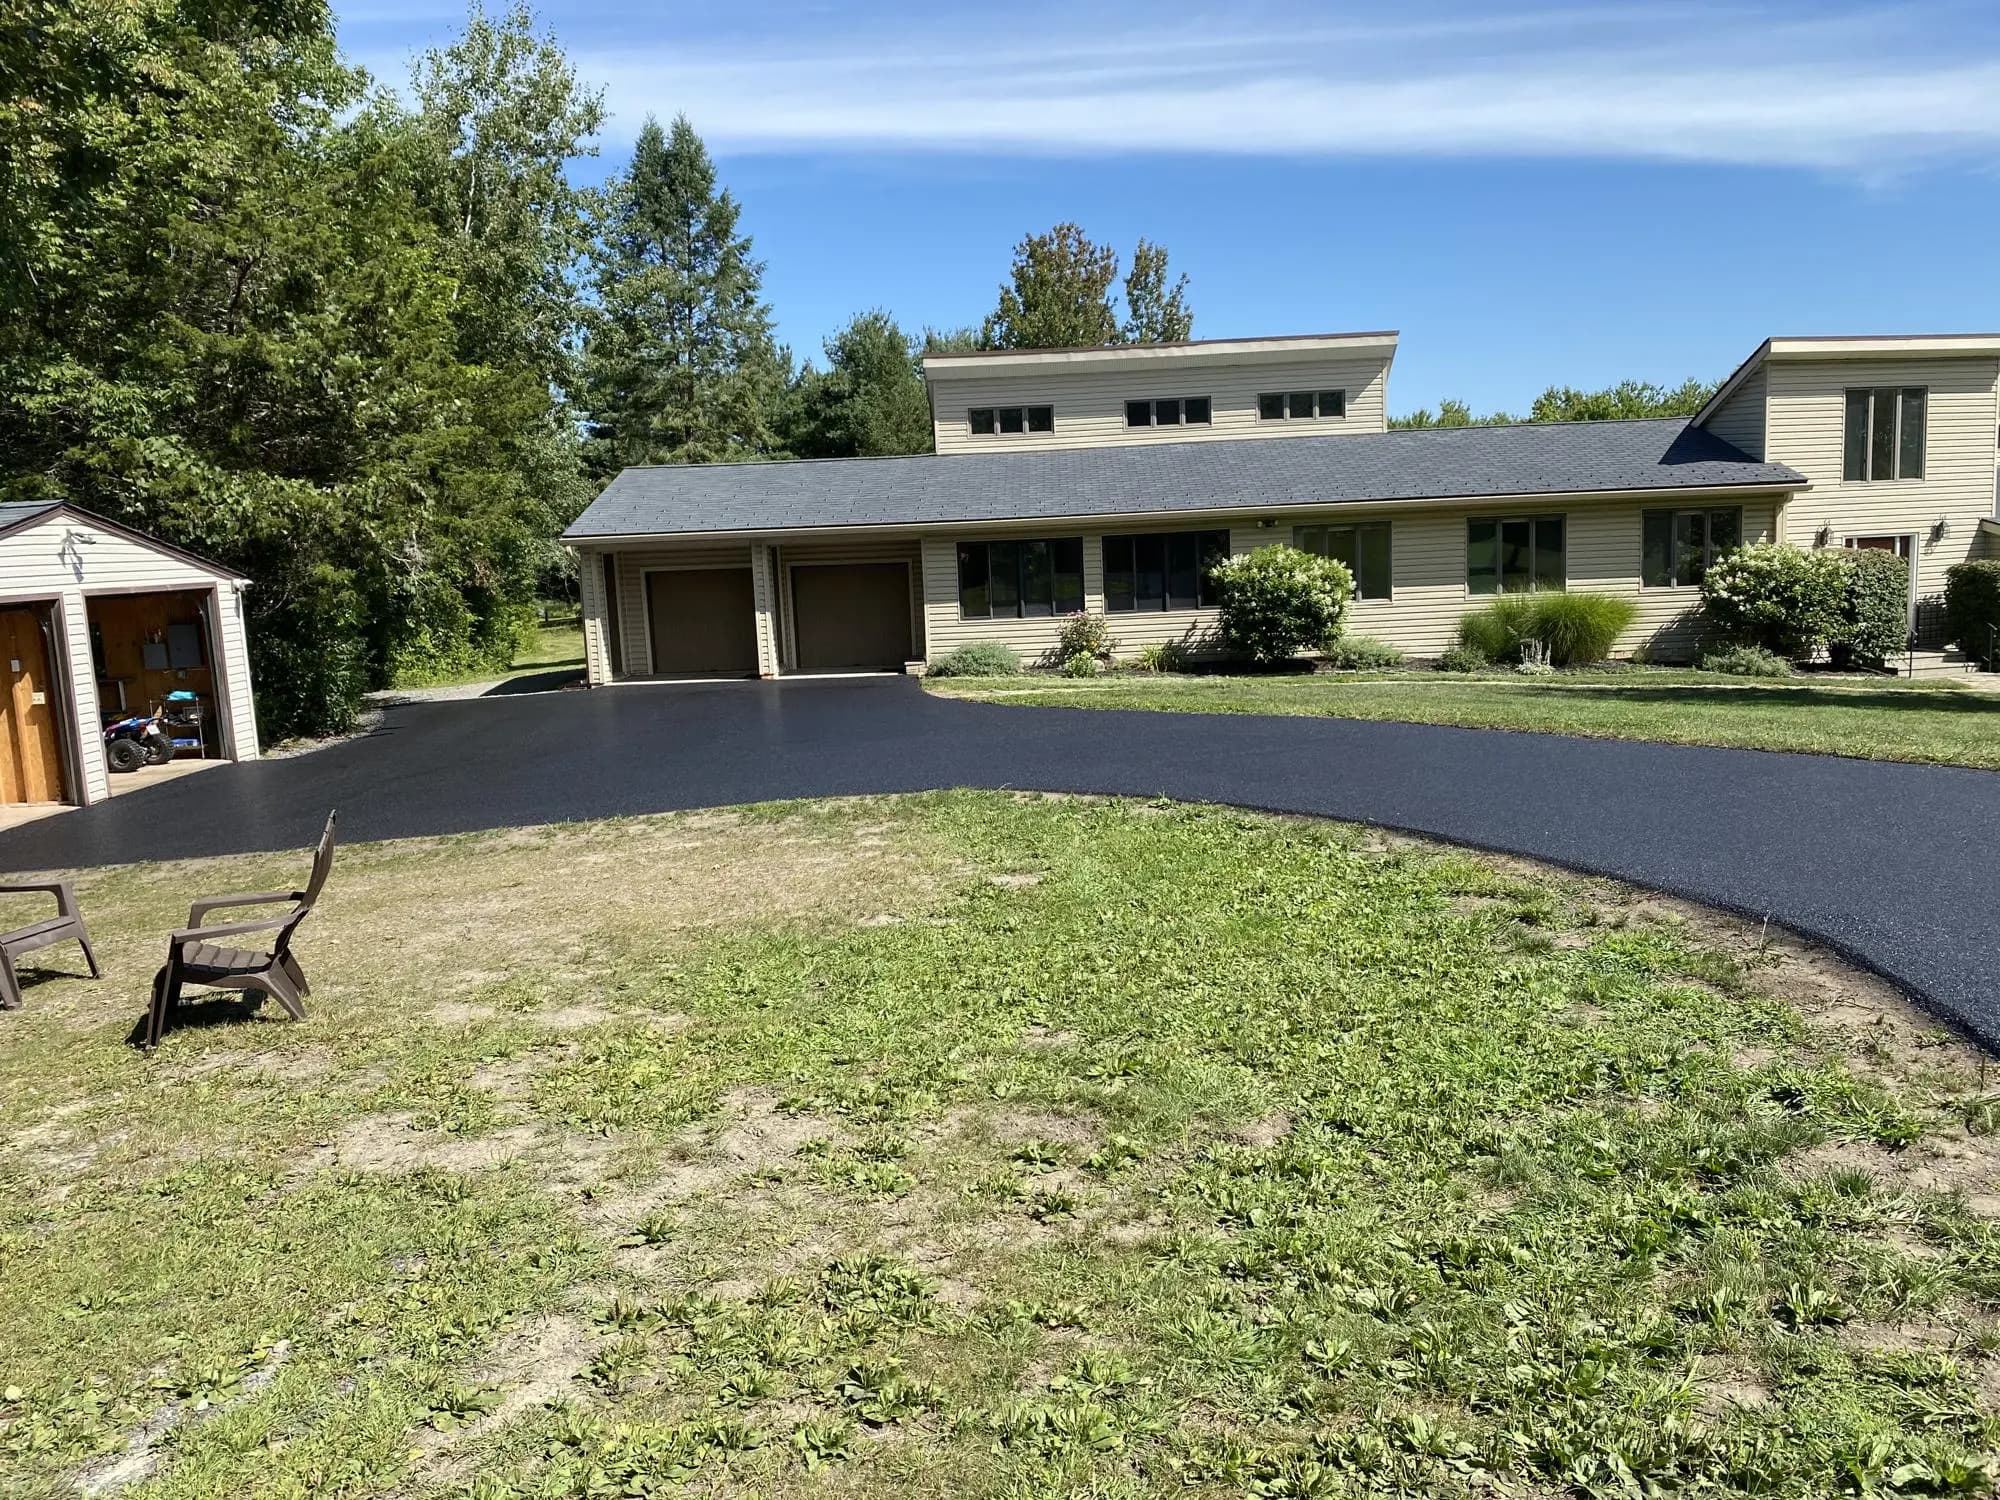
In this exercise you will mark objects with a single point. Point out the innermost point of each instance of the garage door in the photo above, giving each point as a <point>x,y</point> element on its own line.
<point>851,616</point>
<point>703,621</point>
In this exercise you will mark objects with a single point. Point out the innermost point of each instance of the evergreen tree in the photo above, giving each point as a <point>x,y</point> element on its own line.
<point>1156,311</point>
<point>1058,295</point>
<point>679,365</point>
<point>869,401</point>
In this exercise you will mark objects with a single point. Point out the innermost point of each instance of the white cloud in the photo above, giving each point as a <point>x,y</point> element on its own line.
<point>1868,92</point>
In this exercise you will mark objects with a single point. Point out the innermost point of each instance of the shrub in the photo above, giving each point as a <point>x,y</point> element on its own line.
<point>1972,608</point>
<point>1573,628</point>
<point>1463,658</point>
<point>1786,599</point>
<point>1081,664</point>
<point>1084,634</point>
<point>1747,661</point>
<point>1360,653</point>
<point>980,659</point>
<point>1160,656</point>
<point>1874,607</point>
<point>1277,600</point>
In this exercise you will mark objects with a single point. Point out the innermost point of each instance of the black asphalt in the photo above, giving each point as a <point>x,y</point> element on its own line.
<point>1893,865</point>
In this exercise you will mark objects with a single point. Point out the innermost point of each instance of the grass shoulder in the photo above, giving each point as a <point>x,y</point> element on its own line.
<point>1870,717</point>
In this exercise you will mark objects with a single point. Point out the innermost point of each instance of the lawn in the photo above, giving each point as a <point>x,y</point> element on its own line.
<point>1874,719</point>
<point>976,1145</point>
<point>548,648</point>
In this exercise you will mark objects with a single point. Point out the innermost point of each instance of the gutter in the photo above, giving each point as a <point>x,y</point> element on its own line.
<point>1233,512</point>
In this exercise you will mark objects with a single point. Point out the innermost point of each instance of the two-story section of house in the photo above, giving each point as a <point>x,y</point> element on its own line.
<point>1109,480</point>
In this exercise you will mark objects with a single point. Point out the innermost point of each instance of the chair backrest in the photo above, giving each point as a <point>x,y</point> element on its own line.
<point>322,863</point>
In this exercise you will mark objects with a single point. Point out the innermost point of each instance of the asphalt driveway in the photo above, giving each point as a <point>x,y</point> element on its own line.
<point>1896,866</point>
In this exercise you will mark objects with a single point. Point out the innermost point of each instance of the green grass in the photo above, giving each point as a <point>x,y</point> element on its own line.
<point>1873,719</point>
<point>973,1145</point>
<point>548,648</point>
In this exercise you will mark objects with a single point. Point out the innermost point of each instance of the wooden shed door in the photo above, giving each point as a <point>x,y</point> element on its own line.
<point>851,615</point>
<point>30,752</point>
<point>704,620</point>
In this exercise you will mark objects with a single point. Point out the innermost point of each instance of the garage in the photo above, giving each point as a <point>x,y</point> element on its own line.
<point>702,622</point>
<point>851,616</point>
<point>99,622</point>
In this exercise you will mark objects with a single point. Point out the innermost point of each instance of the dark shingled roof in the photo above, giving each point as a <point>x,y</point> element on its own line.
<point>14,512</point>
<point>1262,473</point>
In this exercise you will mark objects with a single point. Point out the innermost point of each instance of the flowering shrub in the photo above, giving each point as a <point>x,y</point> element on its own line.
<point>1277,601</point>
<point>1084,634</point>
<point>1783,598</point>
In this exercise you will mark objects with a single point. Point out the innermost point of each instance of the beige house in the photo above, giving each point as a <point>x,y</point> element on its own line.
<point>1107,480</point>
<point>96,618</point>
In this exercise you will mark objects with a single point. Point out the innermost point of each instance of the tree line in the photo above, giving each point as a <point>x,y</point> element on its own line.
<point>374,349</point>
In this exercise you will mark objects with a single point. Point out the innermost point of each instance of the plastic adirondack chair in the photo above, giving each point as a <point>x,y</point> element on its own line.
<point>64,927</point>
<point>195,954</point>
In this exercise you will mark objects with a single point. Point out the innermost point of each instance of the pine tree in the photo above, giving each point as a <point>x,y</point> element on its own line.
<point>1156,311</point>
<point>679,365</point>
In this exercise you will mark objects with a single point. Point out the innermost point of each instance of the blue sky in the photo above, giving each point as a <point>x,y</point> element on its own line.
<point>1531,192</point>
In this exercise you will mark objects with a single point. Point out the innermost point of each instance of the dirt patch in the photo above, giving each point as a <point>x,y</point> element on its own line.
<point>288,1067</point>
<point>1015,880</point>
<point>1726,1395</point>
<point>458,1013</point>
<point>753,1135</point>
<point>1047,1038</point>
<point>140,1458</point>
<point>394,1143</point>
<point>1265,1132</point>
<point>1016,1127</point>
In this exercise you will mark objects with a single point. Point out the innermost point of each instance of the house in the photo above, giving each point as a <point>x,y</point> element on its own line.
<point>1106,479</point>
<point>96,618</point>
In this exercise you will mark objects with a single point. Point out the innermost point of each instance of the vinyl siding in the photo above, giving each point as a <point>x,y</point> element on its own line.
<point>67,559</point>
<point>596,617</point>
<point>1740,419</point>
<point>1427,580</point>
<point>1807,428</point>
<point>1090,405</point>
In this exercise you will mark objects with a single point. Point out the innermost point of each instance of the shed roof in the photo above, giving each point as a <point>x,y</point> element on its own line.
<point>1145,478</point>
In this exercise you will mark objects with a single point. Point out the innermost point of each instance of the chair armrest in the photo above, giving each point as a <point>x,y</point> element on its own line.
<point>62,890</point>
<point>198,912</point>
<point>229,929</point>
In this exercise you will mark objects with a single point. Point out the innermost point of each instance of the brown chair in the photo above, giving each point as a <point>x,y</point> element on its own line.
<point>194,956</point>
<point>65,926</point>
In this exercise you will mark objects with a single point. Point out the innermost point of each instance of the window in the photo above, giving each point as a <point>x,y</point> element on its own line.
<point>1173,411</point>
<point>1276,406</point>
<point>1514,555</point>
<point>1020,580</point>
<point>1364,548</point>
<point>1162,571</point>
<point>985,421</point>
<point>1885,433</point>
<point>1679,545</point>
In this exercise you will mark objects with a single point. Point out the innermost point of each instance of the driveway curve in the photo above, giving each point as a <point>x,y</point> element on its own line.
<point>1895,866</point>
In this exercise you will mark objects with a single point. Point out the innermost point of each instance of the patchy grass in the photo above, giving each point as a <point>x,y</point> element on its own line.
<point>1942,722</point>
<point>977,1145</point>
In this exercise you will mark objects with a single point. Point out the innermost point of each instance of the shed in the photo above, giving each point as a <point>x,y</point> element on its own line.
<point>96,618</point>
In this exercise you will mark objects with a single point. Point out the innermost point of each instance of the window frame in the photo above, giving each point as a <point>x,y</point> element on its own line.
<point>1151,405</point>
<point>1208,542</point>
<point>1863,472</point>
<point>1022,551</point>
<point>1326,530</point>
<point>1316,399</point>
<point>996,419</point>
<point>1709,553</point>
<point>1534,520</point>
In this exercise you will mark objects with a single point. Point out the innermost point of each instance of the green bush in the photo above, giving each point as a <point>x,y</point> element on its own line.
<point>1747,661</point>
<point>1081,664</point>
<point>1463,658</point>
<point>1084,634</point>
<point>1972,609</point>
<point>1786,599</point>
<point>1574,628</point>
<point>1875,607</point>
<point>980,659</point>
<point>1360,653</point>
<point>1160,656</point>
<point>1277,601</point>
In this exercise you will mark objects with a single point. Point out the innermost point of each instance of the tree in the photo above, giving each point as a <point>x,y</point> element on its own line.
<point>1621,402</point>
<point>679,364</point>
<point>1156,311</point>
<point>1450,413</point>
<point>869,401</point>
<point>1058,295</point>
